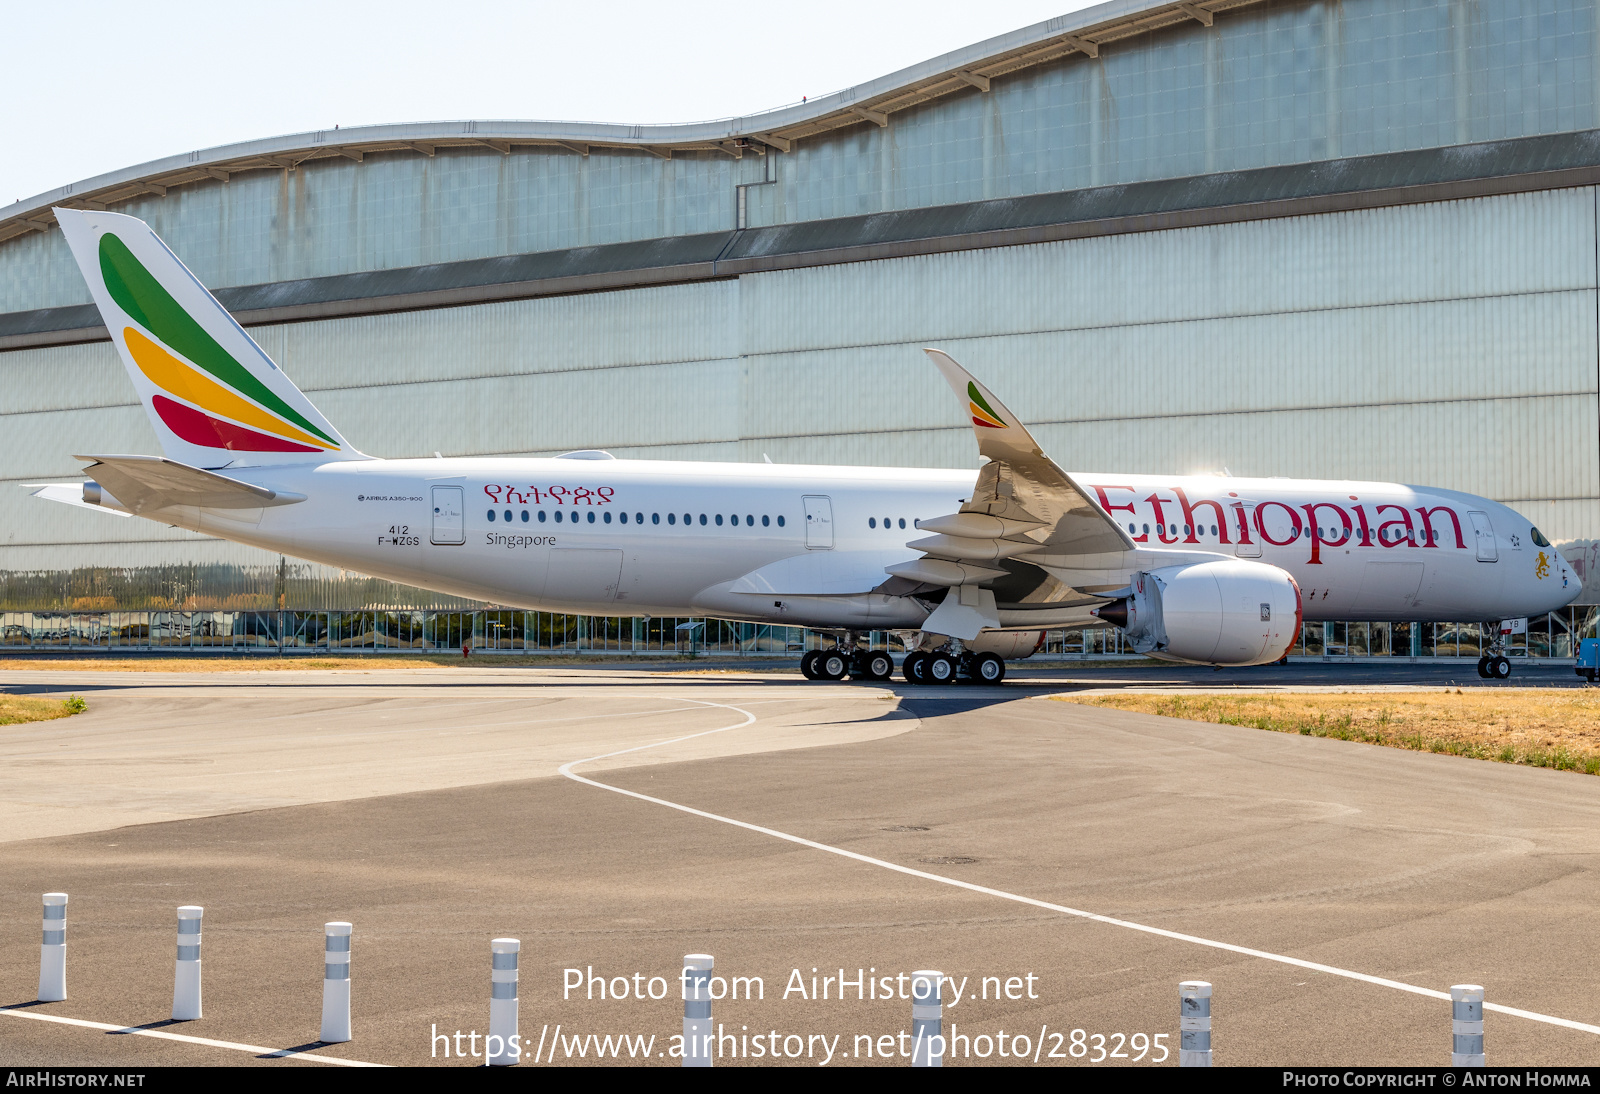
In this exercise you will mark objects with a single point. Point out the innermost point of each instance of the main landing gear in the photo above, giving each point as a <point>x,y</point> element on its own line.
<point>949,664</point>
<point>841,661</point>
<point>943,668</point>
<point>1494,665</point>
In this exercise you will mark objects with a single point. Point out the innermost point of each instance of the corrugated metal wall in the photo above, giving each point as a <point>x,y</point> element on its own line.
<point>1452,344</point>
<point>1289,82</point>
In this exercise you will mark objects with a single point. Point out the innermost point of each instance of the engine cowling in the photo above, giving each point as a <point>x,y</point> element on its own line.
<point>1211,613</point>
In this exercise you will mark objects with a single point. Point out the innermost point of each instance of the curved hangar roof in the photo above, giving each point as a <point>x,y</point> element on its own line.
<point>871,103</point>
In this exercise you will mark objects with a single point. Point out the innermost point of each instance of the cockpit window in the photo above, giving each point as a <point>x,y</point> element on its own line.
<point>1538,537</point>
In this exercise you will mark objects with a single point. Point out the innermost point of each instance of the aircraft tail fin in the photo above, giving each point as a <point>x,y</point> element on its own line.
<point>213,395</point>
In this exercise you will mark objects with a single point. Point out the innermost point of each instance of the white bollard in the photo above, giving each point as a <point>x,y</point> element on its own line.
<point>53,950</point>
<point>1194,1024</point>
<point>335,983</point>
<point>697,1009</point>
<point>186,978</point>
<point>927,1019</point>
<point>503,1001</point>
<point>1466,1025</point>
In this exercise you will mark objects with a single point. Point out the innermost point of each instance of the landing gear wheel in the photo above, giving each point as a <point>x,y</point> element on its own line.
<point>808,664</point>
<point>940,669</point>
<point>988,669</point>
<point>876,666</point>
<point>832,665</point>
<point>1500,668</point>
<point>1483,667</point>
<point>913,667</point>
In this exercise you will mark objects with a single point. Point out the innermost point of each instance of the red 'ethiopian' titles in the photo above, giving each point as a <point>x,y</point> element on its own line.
<point>1323,523</point>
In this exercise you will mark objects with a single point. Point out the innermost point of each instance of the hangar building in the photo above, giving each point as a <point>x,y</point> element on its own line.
<point>1277,237</point>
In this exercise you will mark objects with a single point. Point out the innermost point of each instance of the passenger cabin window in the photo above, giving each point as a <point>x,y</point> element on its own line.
<point>719,520</point>
<point>703,520</point>
<point>780,520</point>
<point>672,518</point>
<point>541,516</point>
<point>872,522</point>
<point>608,516</point>
<point>765,520</point>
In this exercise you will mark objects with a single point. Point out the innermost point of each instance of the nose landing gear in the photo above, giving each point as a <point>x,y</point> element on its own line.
<point>1494,668</point>
<point>1494,665</point>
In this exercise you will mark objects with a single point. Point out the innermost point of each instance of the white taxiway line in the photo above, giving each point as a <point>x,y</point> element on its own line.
<point>1331,970</point>
<point>254,1050</point>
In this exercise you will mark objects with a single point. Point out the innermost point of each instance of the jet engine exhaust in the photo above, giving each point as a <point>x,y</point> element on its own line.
<point>1115,613</point>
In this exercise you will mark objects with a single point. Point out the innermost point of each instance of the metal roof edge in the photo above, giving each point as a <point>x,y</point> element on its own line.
<point>1112,17</point>
<point>1446,173</point>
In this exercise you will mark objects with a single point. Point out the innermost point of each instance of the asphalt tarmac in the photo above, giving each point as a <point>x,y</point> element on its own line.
<point>430,808</point>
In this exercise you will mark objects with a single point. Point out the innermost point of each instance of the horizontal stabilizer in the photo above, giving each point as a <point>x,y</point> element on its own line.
<point>143,484</point>
<point>68,493</point>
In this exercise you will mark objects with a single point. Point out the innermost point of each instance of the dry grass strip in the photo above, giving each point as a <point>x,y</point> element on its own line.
<point>14,709</point>
<point>1535,727</point>
<point>267,662</point>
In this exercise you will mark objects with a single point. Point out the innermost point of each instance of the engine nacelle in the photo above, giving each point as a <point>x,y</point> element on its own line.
<point>1010,645</point>
<point>1211,613</point>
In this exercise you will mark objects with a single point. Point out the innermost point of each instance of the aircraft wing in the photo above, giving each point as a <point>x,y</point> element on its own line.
<point>143,484</point>
<point>1020,483</point>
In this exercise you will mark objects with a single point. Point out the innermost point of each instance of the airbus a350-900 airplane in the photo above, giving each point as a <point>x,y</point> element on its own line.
<point>970,566</point>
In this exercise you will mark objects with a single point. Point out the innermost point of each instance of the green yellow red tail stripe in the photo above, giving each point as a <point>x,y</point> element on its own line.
<point>982,413</point>
<point>176,378</point>
<point>150,305</point>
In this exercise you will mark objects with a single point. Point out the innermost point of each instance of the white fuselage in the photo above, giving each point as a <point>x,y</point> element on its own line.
<point>802,545</point>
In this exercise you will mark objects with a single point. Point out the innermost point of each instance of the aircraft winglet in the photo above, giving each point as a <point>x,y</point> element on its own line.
<point>1000,433</point>
<point>1020,482</point>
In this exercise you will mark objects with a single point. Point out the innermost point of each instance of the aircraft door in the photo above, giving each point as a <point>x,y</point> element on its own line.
<point>1483,534</point>
<point>819,522</point>
<point>448,510</point>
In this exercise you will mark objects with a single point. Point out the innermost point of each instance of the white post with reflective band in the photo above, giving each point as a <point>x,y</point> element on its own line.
<point>186,979</point>
<point>697,1009</point>
<point>503,1001</point>
<point>1194,1024</point>
<point>1466,1025</point>
<point>927,1019</point>
<point>335,983</point>
<point>53,950</point>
